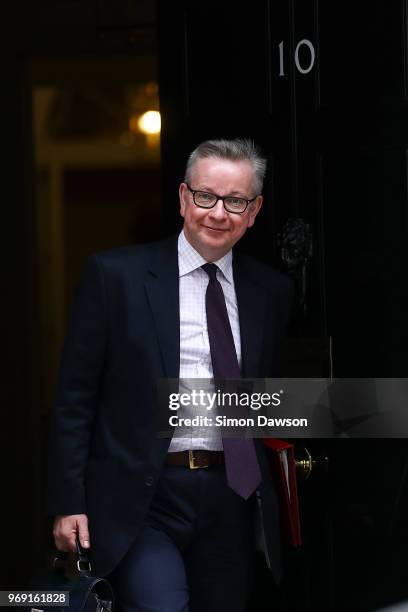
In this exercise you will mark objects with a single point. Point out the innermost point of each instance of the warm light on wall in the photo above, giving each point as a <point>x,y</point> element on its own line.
<point>149,122</point>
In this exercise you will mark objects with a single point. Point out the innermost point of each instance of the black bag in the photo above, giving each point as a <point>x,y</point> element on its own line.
<point>87,593</point>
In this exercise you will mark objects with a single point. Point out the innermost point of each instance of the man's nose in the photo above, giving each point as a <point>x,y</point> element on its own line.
<point>218,211</point>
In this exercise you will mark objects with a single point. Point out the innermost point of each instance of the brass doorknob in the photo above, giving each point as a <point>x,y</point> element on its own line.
<point>307,464</point>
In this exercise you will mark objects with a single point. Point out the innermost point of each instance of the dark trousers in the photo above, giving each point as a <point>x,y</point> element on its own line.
<point>195,552</point>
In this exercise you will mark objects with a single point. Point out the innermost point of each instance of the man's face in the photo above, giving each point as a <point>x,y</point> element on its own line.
<point>214,231</point>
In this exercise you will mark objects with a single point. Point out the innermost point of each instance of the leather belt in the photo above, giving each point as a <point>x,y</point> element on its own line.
<point>194,459</point>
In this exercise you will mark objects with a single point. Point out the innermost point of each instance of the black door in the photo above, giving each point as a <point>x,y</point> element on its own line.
<point>322,88</point>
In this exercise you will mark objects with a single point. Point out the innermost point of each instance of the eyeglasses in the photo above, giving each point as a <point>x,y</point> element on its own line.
<point>204,199</point>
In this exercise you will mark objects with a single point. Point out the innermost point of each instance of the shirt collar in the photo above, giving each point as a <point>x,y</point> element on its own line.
<point>190,260</point>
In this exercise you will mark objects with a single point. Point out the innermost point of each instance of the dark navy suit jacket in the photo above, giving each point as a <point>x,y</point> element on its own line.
<point>123,335</point>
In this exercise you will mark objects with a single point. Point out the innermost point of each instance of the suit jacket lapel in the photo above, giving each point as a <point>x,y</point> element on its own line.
<point>252,302</point>
<point>162,288</point>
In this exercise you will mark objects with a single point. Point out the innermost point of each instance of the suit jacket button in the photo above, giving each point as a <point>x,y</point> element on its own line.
<point>149,481</point>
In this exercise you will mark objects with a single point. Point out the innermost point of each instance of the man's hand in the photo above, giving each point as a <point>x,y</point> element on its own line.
<point>65,529</point>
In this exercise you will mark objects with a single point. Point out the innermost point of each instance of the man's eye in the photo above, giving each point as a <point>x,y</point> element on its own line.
<point>237,202</point>
<point>208,197</point>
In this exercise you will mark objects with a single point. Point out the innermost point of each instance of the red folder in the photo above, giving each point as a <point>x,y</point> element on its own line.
<point>282,460</point>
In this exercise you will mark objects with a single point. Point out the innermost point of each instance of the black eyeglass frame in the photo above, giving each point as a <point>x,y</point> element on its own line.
<point>223,198</point>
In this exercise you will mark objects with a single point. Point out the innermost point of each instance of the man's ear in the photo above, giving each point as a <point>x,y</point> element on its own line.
<point>183,195</point>
<point>254,209</point>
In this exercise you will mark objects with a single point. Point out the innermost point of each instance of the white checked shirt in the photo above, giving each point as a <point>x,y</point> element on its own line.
<point>195,357</point>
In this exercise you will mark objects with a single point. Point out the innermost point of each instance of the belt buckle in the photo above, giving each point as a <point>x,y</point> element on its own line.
<point>192,459</point>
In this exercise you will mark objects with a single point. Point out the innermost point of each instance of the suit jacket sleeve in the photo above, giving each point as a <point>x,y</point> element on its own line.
<point>77,394</point>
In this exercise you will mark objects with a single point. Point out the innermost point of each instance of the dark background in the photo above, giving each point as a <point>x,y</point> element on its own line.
<point>336,138</point>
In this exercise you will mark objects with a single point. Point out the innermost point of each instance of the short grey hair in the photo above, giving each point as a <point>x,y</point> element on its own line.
<point>238,149</point>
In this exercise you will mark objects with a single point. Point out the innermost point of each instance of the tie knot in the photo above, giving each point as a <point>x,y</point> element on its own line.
<point>211,270</point>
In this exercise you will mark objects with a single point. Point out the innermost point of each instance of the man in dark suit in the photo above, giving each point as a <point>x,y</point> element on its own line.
<point>161,516</point>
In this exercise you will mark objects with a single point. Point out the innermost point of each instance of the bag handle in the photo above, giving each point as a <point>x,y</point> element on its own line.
<point>83,564</point>
<point>82,558</point>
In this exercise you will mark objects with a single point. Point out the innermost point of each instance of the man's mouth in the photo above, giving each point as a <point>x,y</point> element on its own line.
<point>215,229</point>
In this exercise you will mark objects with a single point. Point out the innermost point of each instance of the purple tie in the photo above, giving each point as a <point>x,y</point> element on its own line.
<point>241,463</point>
